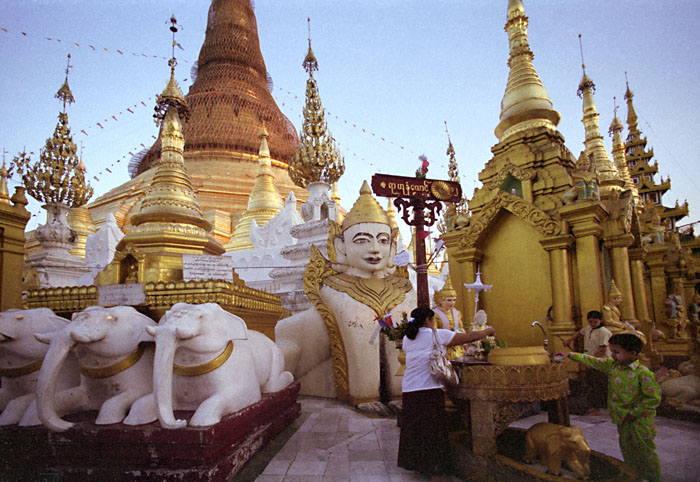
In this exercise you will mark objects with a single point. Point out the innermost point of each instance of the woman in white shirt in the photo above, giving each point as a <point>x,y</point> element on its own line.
<point>423,444</point>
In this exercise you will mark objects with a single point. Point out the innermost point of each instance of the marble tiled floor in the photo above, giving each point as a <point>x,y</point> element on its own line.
<point>332,442</point>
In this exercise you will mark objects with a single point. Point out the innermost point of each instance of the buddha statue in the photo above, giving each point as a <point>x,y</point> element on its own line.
<point>611,310</point>
<point>333,347</point>
<point>676,317</point>
<point>447,316</point>
<point>694,316</point>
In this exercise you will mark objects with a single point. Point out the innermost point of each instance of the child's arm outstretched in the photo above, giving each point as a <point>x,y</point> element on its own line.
<point>600,364</point>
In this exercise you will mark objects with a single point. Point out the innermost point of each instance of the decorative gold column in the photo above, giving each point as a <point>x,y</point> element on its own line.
<point>636,256</point>
<point>620,266</point>
<point>13,219</point>
<point>585,218</point>
<point>560,272</point>
<point>656,263</point>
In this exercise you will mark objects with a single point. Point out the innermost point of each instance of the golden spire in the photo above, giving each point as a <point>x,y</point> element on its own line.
<point>609,179</point>
<point>365,210</point>
<point>57,177</point>
<point>631,113</point>
<point>317,158</point>
<point>618,152</point>
<point>452,169</point>
<point>264,201</point>
<point>170,196</point>
<point>526,102</point>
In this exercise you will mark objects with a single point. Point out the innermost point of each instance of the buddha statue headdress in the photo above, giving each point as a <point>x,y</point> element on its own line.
<point>365,210</point>
<point>613,290</point>
<point>629,329</point>
<point>447,291</point>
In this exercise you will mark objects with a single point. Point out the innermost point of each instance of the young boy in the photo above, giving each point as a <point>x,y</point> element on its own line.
<point>633,396</point>
<point>595,343</point>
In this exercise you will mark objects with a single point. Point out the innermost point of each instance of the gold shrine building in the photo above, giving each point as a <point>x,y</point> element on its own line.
<point>554,234</point>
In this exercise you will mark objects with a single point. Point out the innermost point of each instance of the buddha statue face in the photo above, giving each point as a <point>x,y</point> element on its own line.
<point>366,249</point>
<point>615,299</point>
<point>447,303</point>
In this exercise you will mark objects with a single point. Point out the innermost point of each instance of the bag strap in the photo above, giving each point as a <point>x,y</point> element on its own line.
<point>436,342</point>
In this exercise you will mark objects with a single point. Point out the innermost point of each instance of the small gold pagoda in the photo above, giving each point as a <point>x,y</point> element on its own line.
<point>169,221</point>
<point>264,201</point>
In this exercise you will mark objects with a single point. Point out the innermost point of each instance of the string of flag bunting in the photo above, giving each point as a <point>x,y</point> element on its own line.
<point>143,103</point>
<point>90,46</point>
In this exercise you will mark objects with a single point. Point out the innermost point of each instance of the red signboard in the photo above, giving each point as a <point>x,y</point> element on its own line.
<point>413,187</point>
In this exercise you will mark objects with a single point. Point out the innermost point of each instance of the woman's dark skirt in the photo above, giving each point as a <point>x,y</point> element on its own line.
<point>423,443</point>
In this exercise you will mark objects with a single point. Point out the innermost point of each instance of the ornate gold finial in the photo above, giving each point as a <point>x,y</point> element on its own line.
<point>310,63</point>
<point>365,210</point>
<point>171,95</point>
<point>64,93</point>
<point>452,170</point>
<point>447,291</point>
<point>631,113</point>
<point>57,177</point>
<point>318,158</point>
<point>525,102</point>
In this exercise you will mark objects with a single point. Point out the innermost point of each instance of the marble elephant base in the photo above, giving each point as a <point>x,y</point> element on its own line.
<point>507,463</point>
<point>147,452</point>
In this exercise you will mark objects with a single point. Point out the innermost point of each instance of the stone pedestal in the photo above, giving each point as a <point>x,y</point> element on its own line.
<point>148,452</point>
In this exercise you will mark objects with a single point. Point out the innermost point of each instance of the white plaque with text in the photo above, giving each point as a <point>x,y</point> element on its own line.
<point>198,267</point>
<point>121,295</point>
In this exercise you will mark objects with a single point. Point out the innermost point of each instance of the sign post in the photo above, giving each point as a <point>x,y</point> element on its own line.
<point>425,197</point>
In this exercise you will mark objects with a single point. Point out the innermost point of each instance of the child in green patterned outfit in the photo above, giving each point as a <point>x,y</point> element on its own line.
<point>633,396</point>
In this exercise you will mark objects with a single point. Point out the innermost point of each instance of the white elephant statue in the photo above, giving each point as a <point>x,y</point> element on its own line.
<point>115,354</point>
<point>208,361</point>
<point>21,357</point>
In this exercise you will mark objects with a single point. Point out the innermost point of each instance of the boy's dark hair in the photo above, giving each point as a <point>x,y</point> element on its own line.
<point>419,315</point>
<point>627,341</point>
<point>594,314</point>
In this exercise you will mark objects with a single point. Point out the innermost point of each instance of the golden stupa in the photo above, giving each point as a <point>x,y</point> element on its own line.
<point>229,103</point>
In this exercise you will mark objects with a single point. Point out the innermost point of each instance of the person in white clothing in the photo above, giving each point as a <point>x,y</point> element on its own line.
<point>595,343</point>
<point>423,443</point>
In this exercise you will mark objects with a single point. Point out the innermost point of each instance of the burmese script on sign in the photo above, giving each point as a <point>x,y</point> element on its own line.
<point>412,187</point>
<point>199,267</point>
<point>121,295</point>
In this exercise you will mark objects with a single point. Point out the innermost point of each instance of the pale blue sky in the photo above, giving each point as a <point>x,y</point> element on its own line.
<point>397,69</point>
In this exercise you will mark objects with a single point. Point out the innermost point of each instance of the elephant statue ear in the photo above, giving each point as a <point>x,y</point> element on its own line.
<point>236,327</point>
<point>554,442</point>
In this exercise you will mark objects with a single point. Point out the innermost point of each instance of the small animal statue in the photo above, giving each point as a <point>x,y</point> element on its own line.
<point>208,361</point>
<point>115,354</point>
<point>553,444</point>
<point>21,356</point>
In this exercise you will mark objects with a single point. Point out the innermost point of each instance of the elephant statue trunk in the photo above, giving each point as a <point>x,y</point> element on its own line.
<point>61,343</point>
<point>166,344</point>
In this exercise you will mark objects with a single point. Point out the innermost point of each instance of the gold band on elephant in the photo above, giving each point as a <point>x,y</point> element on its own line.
<point>195,370</point>
<point>21,371</point>
<point>118,367</point>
